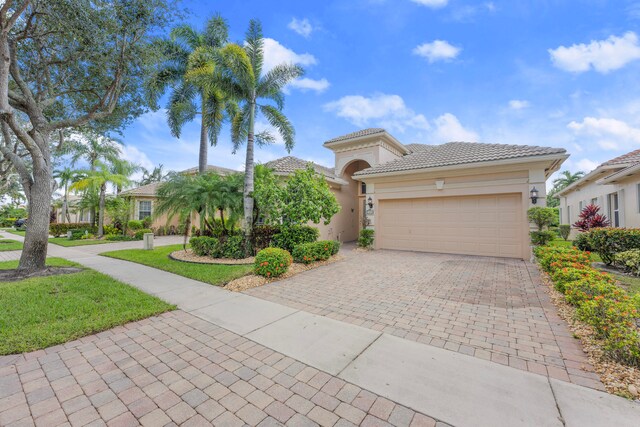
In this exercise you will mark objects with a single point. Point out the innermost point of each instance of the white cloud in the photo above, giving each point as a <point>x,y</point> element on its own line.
<point>448,128</point>
<point>134,155</point>
<point>437,50</point>
<point>518,104</point>
<point>301,26</point>
<point>586,165</point>
<point>610,134</point>
<point>434,4</point>
<point>154,120</point>
<point>389,111</point>
<point>601,55</point>
<point>276,54</point>
<point>304,84</point>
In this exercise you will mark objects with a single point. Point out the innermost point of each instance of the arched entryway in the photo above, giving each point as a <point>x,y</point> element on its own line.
<point>354,198</point>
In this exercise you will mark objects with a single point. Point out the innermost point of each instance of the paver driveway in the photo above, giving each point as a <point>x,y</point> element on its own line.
<point>492,308</point>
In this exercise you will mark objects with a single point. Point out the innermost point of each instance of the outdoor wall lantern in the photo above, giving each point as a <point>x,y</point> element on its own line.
<point>370,203</point>
<point>534,195</point>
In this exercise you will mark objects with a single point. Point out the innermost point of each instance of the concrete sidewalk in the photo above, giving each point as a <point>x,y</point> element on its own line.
<point>455,388</point>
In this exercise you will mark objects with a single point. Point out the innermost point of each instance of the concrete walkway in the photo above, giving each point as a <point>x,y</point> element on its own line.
<point>457,389</point>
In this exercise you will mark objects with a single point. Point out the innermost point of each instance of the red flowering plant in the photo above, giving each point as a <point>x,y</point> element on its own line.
<point>591,218</point>
<point>272,262</point>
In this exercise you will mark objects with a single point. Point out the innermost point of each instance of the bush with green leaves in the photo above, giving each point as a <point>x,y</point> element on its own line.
<point>582,242</point>
<point>77,234</point>
<point>234,247</point>
<point>135,224</point>
<point>629,261</point>
<point>110,229</point>
<point>608,241</point>
<point>61,229</point>
<point>118,238</point>
<point>263,235</point>
<point>542,238</point>
<point>272,262</point>
<point>365,239</point>
<point>139,235</point>
<point>7,222</point>
<point>206,246</point>
<point>316,251</point>
<point>293,235</point>
<point>542,217</point>
<point>564,230</point>
<point>146,222</point>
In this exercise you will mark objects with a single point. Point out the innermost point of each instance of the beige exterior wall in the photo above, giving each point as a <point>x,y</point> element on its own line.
<point>628,201</point>
<point>507,179</point>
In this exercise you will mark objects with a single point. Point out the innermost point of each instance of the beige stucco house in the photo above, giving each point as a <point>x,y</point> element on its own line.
<point>614,186</point>
<point>459,197</point>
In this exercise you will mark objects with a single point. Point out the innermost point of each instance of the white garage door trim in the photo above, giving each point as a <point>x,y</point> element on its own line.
<point>485,225</point>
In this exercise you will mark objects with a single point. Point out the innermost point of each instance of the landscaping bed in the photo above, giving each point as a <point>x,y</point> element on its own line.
<point>253,280</point>
<point>189,256</point>
<point>602,314</point>
<point>40,312</point>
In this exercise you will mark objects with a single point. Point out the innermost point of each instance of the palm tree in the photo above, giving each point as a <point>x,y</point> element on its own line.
<point>124,168</point>
<point>228,198</point>
<point>65,176</point>
<point>99,178</point>
<point>242,79</point>
<point>189,70</point>
<point>565,179</point>
<point>155,175</point>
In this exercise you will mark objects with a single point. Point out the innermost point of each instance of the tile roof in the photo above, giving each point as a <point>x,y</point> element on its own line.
<point>290,164</point>
<point>458,153</point>
<point>363,132</point>
<point>211,168</point>
<point>625,159</point>
<point>145,190</point>
<point>414,148</point>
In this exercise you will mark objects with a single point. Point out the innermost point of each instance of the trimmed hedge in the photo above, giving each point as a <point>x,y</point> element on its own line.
<point>316,251</point>
<point>272,262</point>
<point>542,238</point>
<point>135,224</point>
<point>599,302</point>
<point>213,247</point>
<point>291,236</point>
<point>609,241</point>
<point>60,229</point>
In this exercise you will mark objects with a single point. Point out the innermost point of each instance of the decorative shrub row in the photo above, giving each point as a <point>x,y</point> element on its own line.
<point>231,247</point>
<point>317,251</point>
<point>599,302</point>
<point>272,262</point>
<point>609,241</point>
<point>293,235</point>
<point>629,261</point>
<point>61,229</point>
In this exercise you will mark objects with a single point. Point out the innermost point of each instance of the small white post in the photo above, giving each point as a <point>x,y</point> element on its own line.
<point>148,241</point>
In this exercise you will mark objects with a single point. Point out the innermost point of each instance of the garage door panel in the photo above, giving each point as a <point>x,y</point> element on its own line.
<point>478,225</point>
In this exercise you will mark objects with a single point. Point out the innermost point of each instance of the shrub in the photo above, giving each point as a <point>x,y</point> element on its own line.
<point>542,238</point>
<point>88,236</point>
<point>7,222</point>
<point>609,241</point>
<point>146,222</point>
<point>562,277</point>
<point>134,224</point>
<point>541,217</point>
<point>77,234</point>
<point>551,254</point>
<point>582,242</point>
<point>109,229</point>
<point>118,238</point>
<point>272,262</point>
<point>233,247</point>
<point>139,235</point>
<point>564,230</point>
<point>291,236</point>
<point>365,239</point>
<point>206,246</point>
<point>590,218</point>
<point>60,229</point>
<point>316,251</point>
<point>581,291</point>
<point>263,235</point>
<point>628,261</point>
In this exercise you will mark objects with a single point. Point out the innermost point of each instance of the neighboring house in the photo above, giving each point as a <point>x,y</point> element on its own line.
<point>614,186</point>
<point>75,213</point>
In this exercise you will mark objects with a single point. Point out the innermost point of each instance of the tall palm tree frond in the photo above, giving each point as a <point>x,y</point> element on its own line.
<point>254,46</point>
<point>281,123</point>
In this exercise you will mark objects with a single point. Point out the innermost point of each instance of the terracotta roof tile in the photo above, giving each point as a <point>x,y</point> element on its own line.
<point>458,153</point>
<point>290,164</point>
<point>363,132</point>
<point>625,159</point>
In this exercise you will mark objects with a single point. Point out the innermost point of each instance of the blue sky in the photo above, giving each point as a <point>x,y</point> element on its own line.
<point>542,72</point>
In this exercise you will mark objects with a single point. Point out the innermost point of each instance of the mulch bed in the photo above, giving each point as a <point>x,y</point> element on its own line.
<point>189,256</point>
<point>619,379</point>
<point>15,275</point>
<point>253,280</point>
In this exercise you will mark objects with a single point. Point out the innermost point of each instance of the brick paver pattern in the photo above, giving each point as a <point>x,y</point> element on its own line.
<point>492,308</point>
<point>176,369</point>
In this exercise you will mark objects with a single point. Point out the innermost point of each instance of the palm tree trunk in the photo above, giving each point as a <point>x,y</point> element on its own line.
<point>204,143</point>
<point>248,178</point>
<point>103,189</point>
<point>66,204</point>
<point>224,229</point>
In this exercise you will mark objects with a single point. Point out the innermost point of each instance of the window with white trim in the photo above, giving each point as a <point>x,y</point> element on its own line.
<point>614,209</point>
<point>144,209</point>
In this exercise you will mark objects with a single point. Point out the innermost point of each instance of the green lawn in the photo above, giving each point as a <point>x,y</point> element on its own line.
<point>214,274</point>
<point>63,241</point>
<point>44,311</point>
<point>10,245</point>
<point>16,232</point>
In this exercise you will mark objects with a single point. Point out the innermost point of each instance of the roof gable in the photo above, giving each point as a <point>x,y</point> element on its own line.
<point>290,164</point>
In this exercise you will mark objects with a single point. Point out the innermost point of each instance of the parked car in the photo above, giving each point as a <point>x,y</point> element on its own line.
<point>21,222</point>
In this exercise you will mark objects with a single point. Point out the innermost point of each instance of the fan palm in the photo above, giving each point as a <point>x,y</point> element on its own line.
<point>243,80</point>
<point>189,70</point>
<point>65,177</point>
<point>99,178</point>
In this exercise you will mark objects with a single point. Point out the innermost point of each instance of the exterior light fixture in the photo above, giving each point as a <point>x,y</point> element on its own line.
<point>534,195</point>
<point>370,203</point>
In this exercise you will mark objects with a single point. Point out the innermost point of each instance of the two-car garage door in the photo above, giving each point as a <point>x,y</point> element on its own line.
<point>488,225</point>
